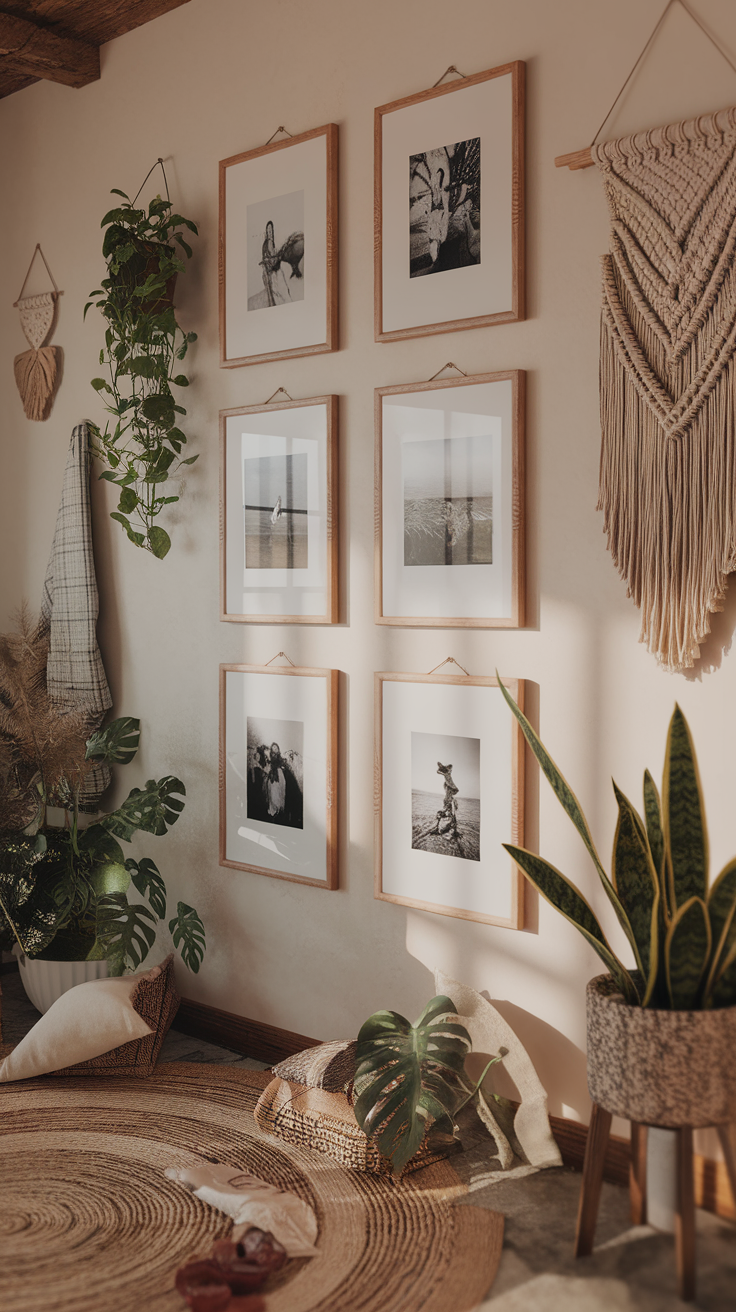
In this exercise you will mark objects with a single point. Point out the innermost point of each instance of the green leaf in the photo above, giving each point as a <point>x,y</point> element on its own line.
<point>686,952</point>
<point>100,385</point>
<point>143,366</point>
<point>152,809</point>
<point>564,896</point>
<point>128,500</point>
<point>109,877</point>
<point>188,934</point>
<point>181,380</point>
<point>409,1075</point>
<point>635,881</point>
<point>135,537</point>
<point>159,540</point>
<point>722,914</point>
<point>724,989</point>
<point>190,460</point>
<point>655,835</point>
<point>125,932</point>
<point>117,743</point>
<point>96,842</point>
<point>148,880</point>
<point>686,835</point>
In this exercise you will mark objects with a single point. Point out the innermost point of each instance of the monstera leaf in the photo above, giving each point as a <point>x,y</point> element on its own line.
<point>117,743</point>
<point>409,1076</point>
<point>153,809</point>
<point>187,931</point>
<point>147,878</point>
<point>125,932</point>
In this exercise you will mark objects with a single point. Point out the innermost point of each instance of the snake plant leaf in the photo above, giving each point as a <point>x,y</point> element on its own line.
<point>686,834</point>
<point>571,805</point>
<point>724,988</point>
<point>635,881</point>
<point>655,833</point>
<point>188,934</point>
<point>686,952</point>
<point>125,933</point>
<point>147,878</point>
<point>152,809</point>
<point>564,896</point>
<point>117,743</point>
<point>722,912</point>
<point>408,1076</point>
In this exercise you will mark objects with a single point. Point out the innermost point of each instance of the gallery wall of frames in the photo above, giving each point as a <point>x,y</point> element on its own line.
<point>449,500</point>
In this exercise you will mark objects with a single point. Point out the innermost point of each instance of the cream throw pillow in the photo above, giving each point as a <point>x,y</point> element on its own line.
<point>84,1022</point>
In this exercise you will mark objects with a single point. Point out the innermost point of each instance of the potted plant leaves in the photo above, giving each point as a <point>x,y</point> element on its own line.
<point>142,444</point>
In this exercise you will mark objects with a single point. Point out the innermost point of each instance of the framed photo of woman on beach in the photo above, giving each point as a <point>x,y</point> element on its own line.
<point>278,250</point>
<point>451,791</point>
<point>278,772</point>
<point>449,206</point>
<point>278,507</point>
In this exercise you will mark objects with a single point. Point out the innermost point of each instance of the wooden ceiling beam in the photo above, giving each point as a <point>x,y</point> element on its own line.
<point>33,51</point>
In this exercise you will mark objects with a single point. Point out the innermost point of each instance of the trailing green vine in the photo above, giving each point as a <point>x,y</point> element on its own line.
<point>142,445</point>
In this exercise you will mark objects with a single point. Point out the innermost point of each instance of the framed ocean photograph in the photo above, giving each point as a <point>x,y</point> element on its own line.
<point>278,250</point>
<point>278,508</point>
<point>449,206</point>
<point>449,493</point>
<point>450,791</point>
<point>278,772</point>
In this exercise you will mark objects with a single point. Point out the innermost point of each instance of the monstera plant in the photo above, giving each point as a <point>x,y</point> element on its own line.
<point>681,930</point>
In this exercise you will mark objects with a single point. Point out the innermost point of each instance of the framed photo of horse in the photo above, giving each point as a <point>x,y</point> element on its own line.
<point>449,206</point>
<point>278,250</point>
<point>450,790</point>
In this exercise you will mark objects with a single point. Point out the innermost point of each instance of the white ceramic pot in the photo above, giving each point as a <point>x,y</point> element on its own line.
<point>45,981</point>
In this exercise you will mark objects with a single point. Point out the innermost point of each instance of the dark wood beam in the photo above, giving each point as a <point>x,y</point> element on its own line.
<point>32,51</point>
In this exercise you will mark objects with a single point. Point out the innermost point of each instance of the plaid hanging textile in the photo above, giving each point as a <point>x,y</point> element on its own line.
<point>667,374</point>
<point>75,675</point>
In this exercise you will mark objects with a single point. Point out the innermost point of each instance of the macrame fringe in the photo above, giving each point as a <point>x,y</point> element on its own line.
<point>36,376</point>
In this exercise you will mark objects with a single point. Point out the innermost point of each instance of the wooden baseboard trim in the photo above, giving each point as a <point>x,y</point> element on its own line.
<point>269,1043</point>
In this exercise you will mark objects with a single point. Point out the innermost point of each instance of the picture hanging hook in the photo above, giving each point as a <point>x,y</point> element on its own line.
<point>278,389</point>
<point>449,365</point>
<point>276,133</point>
<point>451,69</point>
<point>449,660</point>
<point>145,180</point>
<point>275,658</point>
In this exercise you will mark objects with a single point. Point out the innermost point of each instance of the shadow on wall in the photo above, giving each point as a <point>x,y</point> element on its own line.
<point>719,640</point>
<point>551,1053</point>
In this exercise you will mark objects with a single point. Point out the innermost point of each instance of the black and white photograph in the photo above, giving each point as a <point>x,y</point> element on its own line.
<point>275,236</point>
<point>448,501</point>
<point>444,208</point>
<point>275,786</point>
<point>445,795</point>
<point>276,512</point>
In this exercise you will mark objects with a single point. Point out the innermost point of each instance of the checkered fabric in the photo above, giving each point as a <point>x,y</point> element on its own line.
<point>75,675</point>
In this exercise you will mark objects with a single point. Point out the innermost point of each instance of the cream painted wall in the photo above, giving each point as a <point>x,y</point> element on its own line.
<point>216,77</point>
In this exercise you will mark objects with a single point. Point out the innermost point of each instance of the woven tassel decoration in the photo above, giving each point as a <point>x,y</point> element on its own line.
<point>668,337</point>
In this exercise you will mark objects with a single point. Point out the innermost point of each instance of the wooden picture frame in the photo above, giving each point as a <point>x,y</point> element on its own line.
<point>287,451</point>
<point>268,813</point>
<point>284,197</point>
<point>465,230</point>
<point>450,518</point>
<point>419,860</point>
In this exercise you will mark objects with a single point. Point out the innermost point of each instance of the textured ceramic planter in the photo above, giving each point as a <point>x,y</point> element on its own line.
<point>667,1068</point>
<point>45,981</point>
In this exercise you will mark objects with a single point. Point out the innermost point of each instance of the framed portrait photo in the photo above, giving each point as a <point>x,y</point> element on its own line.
<point>278,250</point>
<point>278,772</point>
<point>450,791</point>
<point>449,488</point>
<point>449,206</point>
<point>278,508</point>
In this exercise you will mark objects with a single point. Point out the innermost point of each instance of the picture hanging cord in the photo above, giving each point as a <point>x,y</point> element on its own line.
<point>278,389</point>
<point>275,658</point>
<point>451,69</point>
<point>145,180</point>
<point>276,133</point>
<point>449,660</point>
<point>30,266</point>
<point>662,17</point>
<point>449,365</point>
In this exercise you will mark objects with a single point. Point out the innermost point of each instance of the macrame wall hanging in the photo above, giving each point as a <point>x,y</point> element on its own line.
<point>38,371</point>
<point>667,372</point>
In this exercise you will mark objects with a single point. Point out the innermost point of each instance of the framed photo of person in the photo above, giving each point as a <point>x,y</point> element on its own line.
<point>278,250</point>
<point>278,509</point>
<point>450,792</point>
<point>449,489</point>
<point>278,772</point>
<point>449,206</point>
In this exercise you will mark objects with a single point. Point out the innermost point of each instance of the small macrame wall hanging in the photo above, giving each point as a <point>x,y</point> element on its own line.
<point>668,372</point>
<point>38,371</point>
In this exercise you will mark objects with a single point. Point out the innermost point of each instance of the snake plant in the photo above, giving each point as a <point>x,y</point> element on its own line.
<point>682,933</point>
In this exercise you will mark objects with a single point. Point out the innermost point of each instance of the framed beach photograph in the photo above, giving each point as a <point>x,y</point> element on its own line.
<point>278,772</point>
<point>449,491</point>
<point>278,250</point>
<point>449,206</point>
<point>450,792</point>
<point>278,508</point>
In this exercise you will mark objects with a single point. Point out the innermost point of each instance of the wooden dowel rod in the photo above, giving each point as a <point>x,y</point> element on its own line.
<point>577,159</point>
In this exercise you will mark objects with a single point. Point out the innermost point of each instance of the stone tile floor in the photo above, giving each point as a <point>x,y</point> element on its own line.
<point>631,1270</point>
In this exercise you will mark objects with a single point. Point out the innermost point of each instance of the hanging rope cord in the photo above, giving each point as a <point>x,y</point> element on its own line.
<point>145,180</point>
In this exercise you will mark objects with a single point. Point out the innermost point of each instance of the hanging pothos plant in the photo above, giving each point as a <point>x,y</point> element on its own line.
<point>142,445</point>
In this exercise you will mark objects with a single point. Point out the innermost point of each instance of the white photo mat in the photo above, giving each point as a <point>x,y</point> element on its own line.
<point>488,411</point>
<point>414,710</point>
<point>271,595</point>
<point>280,700</point>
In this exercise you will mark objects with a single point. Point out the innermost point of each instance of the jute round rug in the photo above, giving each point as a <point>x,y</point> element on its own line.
<point>88,1219</point>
